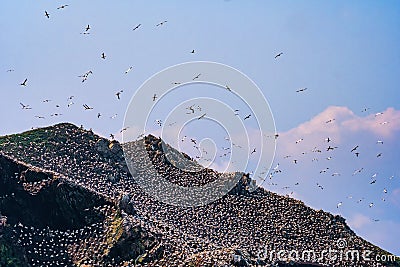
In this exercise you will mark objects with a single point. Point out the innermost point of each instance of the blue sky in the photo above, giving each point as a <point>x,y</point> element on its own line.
<point>346,53</point>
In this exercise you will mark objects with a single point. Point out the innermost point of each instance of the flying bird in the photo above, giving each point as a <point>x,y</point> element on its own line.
<point>103,56</point>
<point>278,55</point>
<point>98,115</point>
<point>25,106</point>
<point>61,7</point>
<point>354,149</point>
<point>192,52</point>
<point>24,82</point>
<point>40,117</point>
<point>329,121</point>
<point>339,204</point>
<point>87,28</point>
<point>301,90</point>
<point>254,151</point>
<point>154,97</point>
<point>191,109</point>
<point>87,107</point>
<point>118,94</point>
<point>46,14</point>
<point>202,116</point>
<point>124,129</point>
<point>247,117</point>
<point>128,70</point>
<point>136,27</point>
<point>161,23</point>
<point>331,148</point>
<point>196,77</point>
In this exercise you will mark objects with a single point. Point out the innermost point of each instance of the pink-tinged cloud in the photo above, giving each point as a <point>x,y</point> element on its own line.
<point>339,123</point>
<point>383,124</point>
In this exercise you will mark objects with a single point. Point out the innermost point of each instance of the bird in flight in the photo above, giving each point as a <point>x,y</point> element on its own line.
<point>124,129</point>
<point>328,140</point>
<point>62,7</point>
<point>103,56</point>
<point>87,107</point>
<point>87,28</point>
<point>379,142</point>
<point>86,75</point>
<point>136,27</point>
<point>118,94</point>
<point>339,204</point>
<point>331,148</point>
<point>161,23</point>
<point>46,14</point>
<point>25,106</point>
<point>98,115</point>
<point>24,82</point>
<point>191,109</point>
<point>154,97</point>
<point>247,117</point>
<point>354,149</point>
<point>254,151</point>
<point>111,136</point>
<point>329,121</point>
<point>196,77</point>
<point>298,141</point>
<point>301,90</point>
<point>278,55</point>
<point>357,171</point>
<point>40,117</point>
<point>202,116</point>
<point>228,88</point>
<point>128,70</point>
<point>192,52</point>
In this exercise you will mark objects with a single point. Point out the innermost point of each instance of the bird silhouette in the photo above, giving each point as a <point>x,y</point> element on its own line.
<point>46,14</point>
<point>24,82</point>
<point>161,23</point>
<point>25,106</point>
<point>136,27</point>
<point>278,55</point>
<point>62,7</point>
<point>247,117</point>
<point>87,107</point>
<point>118,94</point>
<point>301,90</point>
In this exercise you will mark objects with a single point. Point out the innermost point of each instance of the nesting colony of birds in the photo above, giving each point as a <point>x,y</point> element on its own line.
<point>67,198</point>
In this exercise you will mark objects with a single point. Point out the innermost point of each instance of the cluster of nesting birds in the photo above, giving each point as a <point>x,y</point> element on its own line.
<point>232,230</point>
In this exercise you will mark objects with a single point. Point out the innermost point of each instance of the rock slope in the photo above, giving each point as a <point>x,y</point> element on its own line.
<point>68,199</point>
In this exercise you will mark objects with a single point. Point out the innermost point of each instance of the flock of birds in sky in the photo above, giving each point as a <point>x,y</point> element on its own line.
<point>192,109</point>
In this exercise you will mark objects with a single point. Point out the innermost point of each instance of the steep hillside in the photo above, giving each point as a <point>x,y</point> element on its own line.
<point>68,199</point>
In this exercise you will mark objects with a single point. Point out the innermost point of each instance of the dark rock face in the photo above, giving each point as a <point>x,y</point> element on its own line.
<point>70,191</point>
